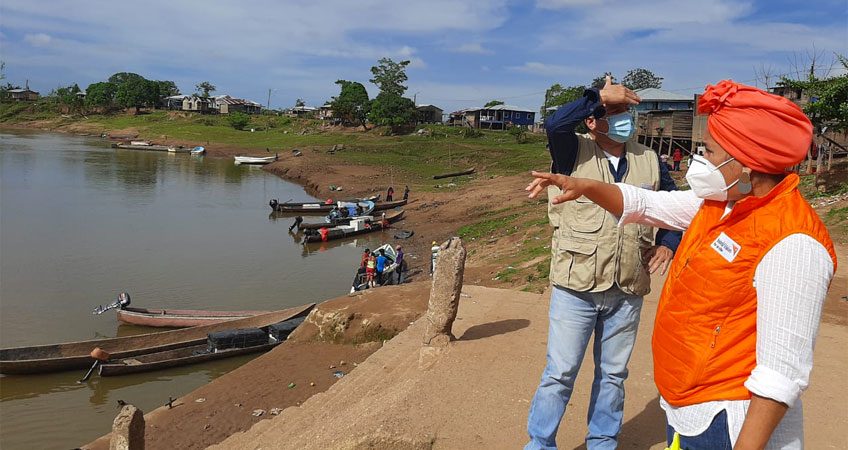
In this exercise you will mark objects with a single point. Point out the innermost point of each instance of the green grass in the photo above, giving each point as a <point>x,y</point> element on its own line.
<point>487,227</point>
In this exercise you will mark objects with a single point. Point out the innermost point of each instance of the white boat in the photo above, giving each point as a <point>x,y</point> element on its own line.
<point>198,150</point>
<point>145,143</point>
<point>255,160</point>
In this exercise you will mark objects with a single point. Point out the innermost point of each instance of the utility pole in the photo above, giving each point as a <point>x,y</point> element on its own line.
<point>269,100</point>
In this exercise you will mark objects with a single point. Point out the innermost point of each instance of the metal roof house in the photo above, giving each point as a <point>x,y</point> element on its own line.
<point>664,120</point>
<point>22,95</point>
<point>224,104</point>
<point>496,117</point>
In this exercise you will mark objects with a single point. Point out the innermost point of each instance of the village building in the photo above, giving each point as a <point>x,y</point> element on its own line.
<point>302,111</point>
<point>22,95</point>
<point>325,112</point>
<point>666,121</point>
<point>224,104</point>
<point>496,117</point>
<point>429,114</point>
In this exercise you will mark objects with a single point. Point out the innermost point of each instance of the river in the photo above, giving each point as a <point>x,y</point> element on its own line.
<point>81,222</point>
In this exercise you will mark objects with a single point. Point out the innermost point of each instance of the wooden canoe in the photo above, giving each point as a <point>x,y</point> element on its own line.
<point>321,208</point>
<point>76,355</point>
<point>343,231</point>
<point>292,206</point>
<point>179,318</point>
<point>188,355</point>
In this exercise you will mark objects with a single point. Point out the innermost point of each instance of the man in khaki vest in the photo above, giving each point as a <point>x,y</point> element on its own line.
<point>599,271</point>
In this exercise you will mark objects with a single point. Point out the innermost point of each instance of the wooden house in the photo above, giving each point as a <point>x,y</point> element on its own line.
<point>22,95</point>
<point>224,104</point>
<point>664,120</point>
<point>498,117</point>
<point>429,114</point>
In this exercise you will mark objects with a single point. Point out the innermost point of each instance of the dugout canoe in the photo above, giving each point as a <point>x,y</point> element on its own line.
<point>276,206</point>
<point>355,228</point>
<point>321,208</point>
<point>179,318</point>
<point>76,355</point>
<point>189,355</point>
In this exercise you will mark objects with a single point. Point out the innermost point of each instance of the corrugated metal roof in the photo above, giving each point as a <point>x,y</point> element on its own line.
<point>501,108</point>
<point>655,95</point>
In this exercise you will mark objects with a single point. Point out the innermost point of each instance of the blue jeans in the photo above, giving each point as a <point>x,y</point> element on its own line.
<point>613,317</point>
<point>716,437</point>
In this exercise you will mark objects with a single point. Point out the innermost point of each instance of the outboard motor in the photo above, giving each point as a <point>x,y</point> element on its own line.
<point>297,221</point>
<point>273,204</point>
<point>122,301</point>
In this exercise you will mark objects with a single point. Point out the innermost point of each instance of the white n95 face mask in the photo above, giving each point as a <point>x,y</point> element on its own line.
<point>706,180</point>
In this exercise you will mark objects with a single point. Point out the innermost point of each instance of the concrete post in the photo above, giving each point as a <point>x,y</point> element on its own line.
<point>128,430</point>
<point>444,296</point>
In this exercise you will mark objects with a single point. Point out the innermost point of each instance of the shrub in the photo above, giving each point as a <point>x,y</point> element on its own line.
<point>238,120</point>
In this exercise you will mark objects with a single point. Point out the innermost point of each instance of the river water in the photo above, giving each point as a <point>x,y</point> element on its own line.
<point>81,222</point>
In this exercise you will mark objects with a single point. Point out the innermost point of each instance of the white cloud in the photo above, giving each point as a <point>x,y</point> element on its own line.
<point>473,47</point>
<point>37,39</point>
<point>560,4</point>
<point>538,68</point>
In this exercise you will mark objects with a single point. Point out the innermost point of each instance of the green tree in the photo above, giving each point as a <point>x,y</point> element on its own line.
<point>100,94</point>
<point>828,106</point>
<point>389,76</point>
<point>167,88</point>
<point>352,104</point>
<point>133,90</point>
<point>493,103</point>
<point>641,79</point>
<point>70,96</point>
<point>299,102</point>
<point>392,110</point>
<point>238,120</point>
<point>600,81</point>
<point>204,88</point>
<point>557,95</point>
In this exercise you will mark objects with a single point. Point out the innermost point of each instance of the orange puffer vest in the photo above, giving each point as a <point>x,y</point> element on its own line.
<point>705,332</point>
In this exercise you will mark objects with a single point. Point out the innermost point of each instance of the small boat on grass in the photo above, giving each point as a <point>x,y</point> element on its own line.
<point>356,227</point>
<point>77,355</point>
<point>198,150</point>
<point>255,160</point>
<point>219,345</point>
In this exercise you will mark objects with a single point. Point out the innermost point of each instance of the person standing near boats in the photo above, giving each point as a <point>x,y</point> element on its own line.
<point>739,313</point>
<point>390,194</point>
<point>381,266</point>
<point>399,262</point>
<point>406,192</point>
<point>599,272</point>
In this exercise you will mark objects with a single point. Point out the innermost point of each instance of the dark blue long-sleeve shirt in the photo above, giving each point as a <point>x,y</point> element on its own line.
<point>562,143</point>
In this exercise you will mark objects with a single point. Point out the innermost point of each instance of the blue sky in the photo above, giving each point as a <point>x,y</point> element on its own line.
<point>463,53</point>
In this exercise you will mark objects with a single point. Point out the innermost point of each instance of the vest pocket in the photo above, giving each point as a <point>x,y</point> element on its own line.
<point>587,216</point>
<point>575,264</point>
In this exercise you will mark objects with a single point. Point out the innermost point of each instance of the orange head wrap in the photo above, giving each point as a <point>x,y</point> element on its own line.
<point>765,132</point>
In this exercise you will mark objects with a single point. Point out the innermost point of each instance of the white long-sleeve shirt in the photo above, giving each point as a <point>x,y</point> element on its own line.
<point>791,281</point>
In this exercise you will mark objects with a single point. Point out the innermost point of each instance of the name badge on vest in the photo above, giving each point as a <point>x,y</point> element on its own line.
<point>726,247</point>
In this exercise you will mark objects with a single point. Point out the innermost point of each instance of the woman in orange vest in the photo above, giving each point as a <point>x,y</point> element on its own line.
<point>739,312</point>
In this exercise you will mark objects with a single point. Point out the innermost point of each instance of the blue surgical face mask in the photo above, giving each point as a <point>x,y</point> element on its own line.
<point>621,127</point>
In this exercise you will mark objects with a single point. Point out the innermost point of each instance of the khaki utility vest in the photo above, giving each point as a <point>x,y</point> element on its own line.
<point>590,252</point>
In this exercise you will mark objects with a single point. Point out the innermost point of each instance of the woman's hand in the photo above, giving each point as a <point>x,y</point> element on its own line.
<point>570,186</point>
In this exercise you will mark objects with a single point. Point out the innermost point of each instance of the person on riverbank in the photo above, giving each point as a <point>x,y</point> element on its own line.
<point>399,268</point>
<point>406,192</point>
<point>365,255</point>
<point>730,369</point>
<point>390,193</point>
<point>599,272</point>
<point>370,269</point>
<point>381,266</point>
<point>677,158</point>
